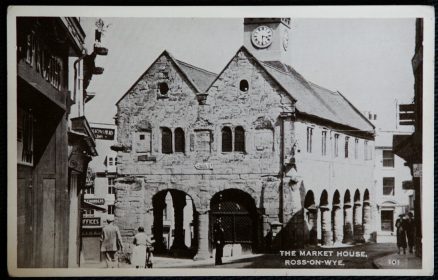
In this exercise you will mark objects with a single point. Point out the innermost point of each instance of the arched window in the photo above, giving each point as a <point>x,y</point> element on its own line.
<point>227,139</point>
<point>164,88</point>
<point>179,141</point>
<point>244,86</point>
<point>239,139</point>
<point>166,140</point>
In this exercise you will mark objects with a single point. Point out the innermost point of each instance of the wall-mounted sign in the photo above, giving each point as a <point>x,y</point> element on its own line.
<point>96,201</point>
<point>103,133</point>
<point>91,232</point>
<point>92,222</point>
<point>203,166</point>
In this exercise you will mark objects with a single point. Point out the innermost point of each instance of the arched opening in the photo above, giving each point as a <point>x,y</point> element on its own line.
<point>173,226</point>
<point>348,218</point>
<point>236,212</point>
<point>239,139</point>
<point>244,85</point>
<point>326,224</point>
<point>227,139</point>
<point>337,218</point>
<point>311,217</point>
<point>179,140</point>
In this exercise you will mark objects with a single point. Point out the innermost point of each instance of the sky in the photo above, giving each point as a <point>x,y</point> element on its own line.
<point>367,60</point>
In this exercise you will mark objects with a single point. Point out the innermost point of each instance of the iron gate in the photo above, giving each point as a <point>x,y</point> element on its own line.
<point>236,222</point>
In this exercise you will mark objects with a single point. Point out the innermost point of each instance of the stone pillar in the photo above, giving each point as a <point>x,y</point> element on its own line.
<point>326,226</point>
<point>338,226</point>
<point>202,229</point>
<point>348,223</point>
<point>179,202</point>
<point>313,222</point>
<point>366,223</point>
<point>157,229</point>
<point>357,222</point>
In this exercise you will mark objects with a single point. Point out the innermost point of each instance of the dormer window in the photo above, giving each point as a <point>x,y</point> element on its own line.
<point>164,88</point>
<point>244,86</point>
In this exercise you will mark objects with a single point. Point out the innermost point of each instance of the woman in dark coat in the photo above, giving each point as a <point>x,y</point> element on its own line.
<point>400,224</point>
<point>219,241</point>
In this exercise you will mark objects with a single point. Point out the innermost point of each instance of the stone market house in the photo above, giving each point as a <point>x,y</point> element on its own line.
<point>279,161</point>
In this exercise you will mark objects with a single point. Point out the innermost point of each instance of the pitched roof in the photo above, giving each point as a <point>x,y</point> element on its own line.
<point>200,77</point>
<point>317,101</point>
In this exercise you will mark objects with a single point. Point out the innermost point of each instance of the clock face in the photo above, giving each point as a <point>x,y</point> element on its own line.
<point>285,40</point>
<point>262,36</point>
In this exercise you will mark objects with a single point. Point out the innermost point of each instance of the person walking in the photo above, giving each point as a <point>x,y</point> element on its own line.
<point>400,224</point>
<point>111,243</point>
<point>139,253</point>
<point>219,241</point>
<point>410,232</point>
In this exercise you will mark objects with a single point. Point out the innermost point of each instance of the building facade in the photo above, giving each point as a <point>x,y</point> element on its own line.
<point>279,161</point>
<point>44,48</point>
<point>54,140</point>
<point>393,187</point>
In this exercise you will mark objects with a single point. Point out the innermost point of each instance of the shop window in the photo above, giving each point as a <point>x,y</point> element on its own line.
<point>239,139</point>
<point>244,86</point>
<point>324,143</point>
<point>111,209</point>
<point>179,141</point>
<point>309,139</point>
<point>388,158</point>
<point>347,139</point>
<point>227,139</point>
<point>388,186</point>
<point>25,128</point>
<point>164,88</point>
<point>166,141</point>
<point>387,220</point>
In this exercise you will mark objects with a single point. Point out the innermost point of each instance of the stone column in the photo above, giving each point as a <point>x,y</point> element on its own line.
<point>366,223</point>
<point>202,229</point>
<point>313,222</point>
<point>348,223</point>
<point>357,222</point>
<point>326,226</point>
<point>338,226</point>
<point>179,202</point>
<point>158,225</point>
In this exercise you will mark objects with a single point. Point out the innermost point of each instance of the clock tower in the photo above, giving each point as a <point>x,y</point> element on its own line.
<point>268,38</point>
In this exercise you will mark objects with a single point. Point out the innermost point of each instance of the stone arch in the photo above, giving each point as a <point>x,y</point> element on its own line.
<point>311,217</point>
<point>174,217</point>
<point>236,212</point>
<point>337,218</point>
<point>326,223</point>
<point>348,218</point>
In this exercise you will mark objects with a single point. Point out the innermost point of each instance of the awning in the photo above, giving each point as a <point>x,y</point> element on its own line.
<point>86,205</point>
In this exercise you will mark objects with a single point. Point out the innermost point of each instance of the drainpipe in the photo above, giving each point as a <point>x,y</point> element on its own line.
<point>281,191</point>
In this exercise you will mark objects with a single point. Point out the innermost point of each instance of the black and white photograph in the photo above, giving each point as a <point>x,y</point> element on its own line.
<point>280,140</point>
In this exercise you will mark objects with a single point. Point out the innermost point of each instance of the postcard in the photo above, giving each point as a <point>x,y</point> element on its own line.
<point>273,140</point>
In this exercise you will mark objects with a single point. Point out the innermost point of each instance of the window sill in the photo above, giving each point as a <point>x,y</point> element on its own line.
<point>162,96</point>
